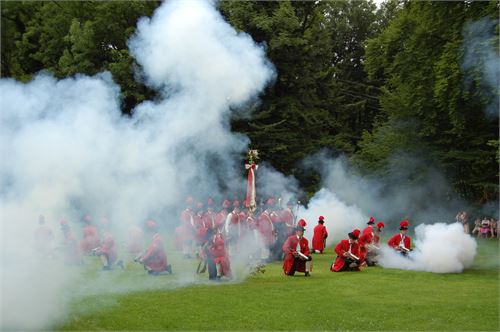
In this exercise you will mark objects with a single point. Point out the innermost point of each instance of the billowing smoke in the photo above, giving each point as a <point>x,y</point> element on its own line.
<point>439,248</point>
<point>340,217</point>
<point>70,151</point>
<point>347,200</point>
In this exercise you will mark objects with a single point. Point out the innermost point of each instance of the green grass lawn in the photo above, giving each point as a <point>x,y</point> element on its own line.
<point>374,299</point>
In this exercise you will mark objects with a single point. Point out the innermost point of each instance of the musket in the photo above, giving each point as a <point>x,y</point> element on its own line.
<point>304,257</point>
<point>351,255</point>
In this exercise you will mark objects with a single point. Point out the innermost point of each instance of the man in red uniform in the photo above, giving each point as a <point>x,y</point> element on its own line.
<point>401,242</point>
<point>266,232</point>
<point>218,253</point>
<point>347,251</point>
<point>377,232</point>
<point>319,237</point>
<point>288,217</point>
<point>220,218</point>
<point>232,229</point>
<point>365,242</point>
<point>90,238</point>
<point>186,230</point>
<point>107,250</point>
<point>155,258</point>
<point>296,250</point>
<point>209,218</point>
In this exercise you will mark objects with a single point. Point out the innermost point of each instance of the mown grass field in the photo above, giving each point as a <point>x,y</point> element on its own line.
<point>374,299</point>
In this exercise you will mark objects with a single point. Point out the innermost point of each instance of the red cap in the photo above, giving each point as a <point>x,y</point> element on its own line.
<point>321,218</point>
<point>356,233</point>
<point>302,223</point>
<point>372,220</point>
<point>270,201</point>
<point>151,224</point>
<point>210,201</point>
<point>380,224</point>
<point>404,223</point>
<point>226,204</point>
<point>189,200</point>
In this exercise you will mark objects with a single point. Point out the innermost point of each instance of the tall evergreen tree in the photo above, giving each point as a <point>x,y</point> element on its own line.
<point>433,107</point>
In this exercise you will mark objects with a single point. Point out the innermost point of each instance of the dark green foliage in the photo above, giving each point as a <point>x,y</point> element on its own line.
<point>410,94</point>
<point>431,104</point>
<point>321,97</point>
<point>70,37</point>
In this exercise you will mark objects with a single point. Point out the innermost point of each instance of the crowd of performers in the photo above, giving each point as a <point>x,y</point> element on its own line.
<point>215,237</point>
<point>97,240</point>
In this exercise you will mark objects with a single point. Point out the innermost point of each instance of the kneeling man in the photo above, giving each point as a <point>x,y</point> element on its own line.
<point>296,249</point>
<point>348,255</point>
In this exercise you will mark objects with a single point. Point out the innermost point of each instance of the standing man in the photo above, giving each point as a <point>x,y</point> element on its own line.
<point>401,242</point>
<point>90,238</point>
<point>233,229</point>
<point>220,256</point>
<point>377,232</point>
<point>297,258</point>
<point>347,251</point>
<point>319,237</point>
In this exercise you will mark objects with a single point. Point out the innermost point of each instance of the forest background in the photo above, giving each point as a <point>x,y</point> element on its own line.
<point>408,85</point>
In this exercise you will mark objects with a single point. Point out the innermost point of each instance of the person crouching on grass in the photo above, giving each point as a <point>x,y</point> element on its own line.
<point>296,249</point>
<point>401,242</point>
<point>348,255</point>
<point>155,258</point>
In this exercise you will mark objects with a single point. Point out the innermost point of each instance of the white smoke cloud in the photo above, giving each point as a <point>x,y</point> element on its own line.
<point>439,248</point>
<point>340,217</point>
<point>69,151</point>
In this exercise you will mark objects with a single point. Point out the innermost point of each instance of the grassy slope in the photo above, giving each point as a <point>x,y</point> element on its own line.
<point>374,299</point>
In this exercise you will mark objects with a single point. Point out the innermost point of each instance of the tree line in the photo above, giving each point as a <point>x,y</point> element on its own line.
<point>382,86</point>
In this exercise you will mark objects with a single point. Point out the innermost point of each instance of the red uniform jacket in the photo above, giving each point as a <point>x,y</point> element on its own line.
<point>266,228</point>
<point>218,251</point>
<point>289,247</point>
<point>90,239</point>
<point>340,249</point>
<point>108,248</point>
<point>155,257</point>
<point>396,240</point>
<point>220,220</point>
<point>365,238</point>
<point>319,237</point>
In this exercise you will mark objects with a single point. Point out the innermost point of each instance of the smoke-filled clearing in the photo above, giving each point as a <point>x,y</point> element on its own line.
<point>71,152</point>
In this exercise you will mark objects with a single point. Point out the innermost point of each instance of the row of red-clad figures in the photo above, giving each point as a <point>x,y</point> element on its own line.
<point>99,241</point>
<point>359,249</point>
<point>235,224</point>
